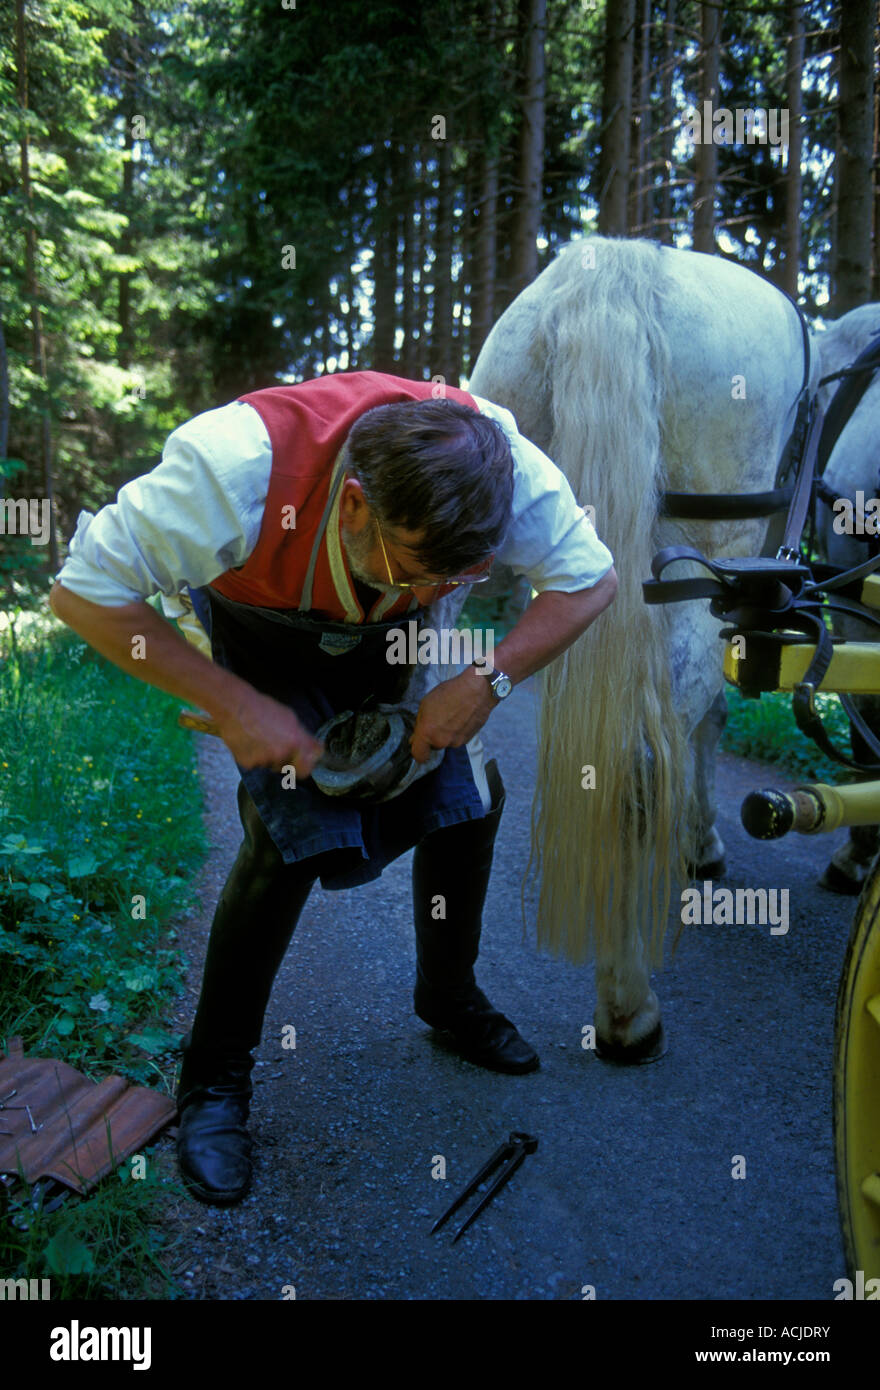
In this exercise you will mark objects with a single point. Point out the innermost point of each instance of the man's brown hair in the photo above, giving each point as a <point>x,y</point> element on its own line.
<point>441,468</point>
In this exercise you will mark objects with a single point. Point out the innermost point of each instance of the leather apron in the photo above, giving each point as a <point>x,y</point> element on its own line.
<point>319,668</point>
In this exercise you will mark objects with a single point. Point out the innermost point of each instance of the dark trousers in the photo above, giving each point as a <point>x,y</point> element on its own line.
<point>263,897</point>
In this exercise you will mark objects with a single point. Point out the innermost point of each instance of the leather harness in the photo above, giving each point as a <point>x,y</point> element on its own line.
<point>781,599</point>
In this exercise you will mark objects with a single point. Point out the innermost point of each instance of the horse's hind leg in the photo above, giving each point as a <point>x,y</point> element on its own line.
<point>628,1024</point>
<point>849,866</point>
<point>706,859</point>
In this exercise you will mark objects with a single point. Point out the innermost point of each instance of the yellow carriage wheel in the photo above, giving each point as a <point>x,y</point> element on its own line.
<point>857,1087</point>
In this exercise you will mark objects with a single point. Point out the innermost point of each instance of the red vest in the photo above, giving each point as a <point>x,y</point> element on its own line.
<point>307,426</point>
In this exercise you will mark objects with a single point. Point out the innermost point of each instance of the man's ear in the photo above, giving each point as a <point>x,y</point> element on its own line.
<point>353,507</point>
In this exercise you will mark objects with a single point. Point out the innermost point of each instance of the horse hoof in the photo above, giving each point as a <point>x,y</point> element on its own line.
<point>714,869</point>
<point>838,882</point>
<point>650,1048</point>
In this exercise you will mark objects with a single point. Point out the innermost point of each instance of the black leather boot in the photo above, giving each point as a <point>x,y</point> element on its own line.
<point>213,1145</point>
<point>455,863</point>
<point>254,921</point>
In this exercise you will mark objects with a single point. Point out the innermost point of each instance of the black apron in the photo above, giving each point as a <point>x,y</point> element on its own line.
<point>320,668</point>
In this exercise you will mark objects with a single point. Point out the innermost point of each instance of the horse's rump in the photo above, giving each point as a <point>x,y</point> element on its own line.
<point>611,362</point>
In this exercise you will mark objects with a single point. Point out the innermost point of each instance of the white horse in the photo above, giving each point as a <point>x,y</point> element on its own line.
<point>854,465</point>
<point>638,368</point>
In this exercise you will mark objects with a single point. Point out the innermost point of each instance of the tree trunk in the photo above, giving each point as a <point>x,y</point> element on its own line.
<point>421,304</point>
<point>384,271</point>
<point>485,227</point>
<point>126,240</point>
<point>4,405</point>
<point>408,358</point>
<point>530,162</point>
<point>852,165</point>
<point>614,159</point>
<point>30,242</point>
<point>483,306</point>
<point>467,250</point>
<point>352,318</point>
<point>706,152</point>
<point>794,101</point>
<point>400,186</point>
<point>667,140</point>
<point>442,353</point>
<point>641,186</point>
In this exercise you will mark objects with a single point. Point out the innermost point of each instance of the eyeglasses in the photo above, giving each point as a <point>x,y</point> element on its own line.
<point>430,583</point>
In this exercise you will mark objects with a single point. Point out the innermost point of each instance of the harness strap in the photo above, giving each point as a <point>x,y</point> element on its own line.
<point>803,488</point>
<point>841,579</point>
<point>867,734</point>
<point>768,583</point>
<point>807,716</point>
<point>724,506</point>
<point>805,441</point>
<point>856,380</point>
<point>772,599</point>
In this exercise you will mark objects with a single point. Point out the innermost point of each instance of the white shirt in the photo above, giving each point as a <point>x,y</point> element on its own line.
<point>198,514</point>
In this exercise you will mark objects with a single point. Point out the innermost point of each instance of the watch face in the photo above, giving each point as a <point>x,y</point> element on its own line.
<point>502,687</point>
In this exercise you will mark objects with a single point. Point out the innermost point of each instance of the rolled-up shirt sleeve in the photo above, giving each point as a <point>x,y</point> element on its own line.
<point>551,540</point>
<point>196,515</point>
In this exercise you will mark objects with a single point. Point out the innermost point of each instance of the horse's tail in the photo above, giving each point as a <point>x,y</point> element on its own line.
<point>612,789</point>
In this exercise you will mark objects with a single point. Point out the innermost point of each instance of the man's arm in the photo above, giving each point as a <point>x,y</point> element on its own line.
<point>192,518</point>
<point>549,625</point>
<point>258,731</point>
<point>453,712</point>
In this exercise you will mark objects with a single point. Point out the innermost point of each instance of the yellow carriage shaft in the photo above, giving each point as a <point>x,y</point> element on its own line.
<point>854,668</point>
<point>754,663</point>
<point>870,594</point>
<point>818,808</point>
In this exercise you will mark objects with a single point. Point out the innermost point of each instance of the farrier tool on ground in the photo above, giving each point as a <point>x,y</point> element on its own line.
<point>4,1106</point>
<point>511,1155</point>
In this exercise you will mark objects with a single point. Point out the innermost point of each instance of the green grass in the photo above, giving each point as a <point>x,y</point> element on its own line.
<point>100,839</point>
<point>765,729</point>
<point>111,1244</point>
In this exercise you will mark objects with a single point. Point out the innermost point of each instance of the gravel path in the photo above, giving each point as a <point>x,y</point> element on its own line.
<point>631,1190</point>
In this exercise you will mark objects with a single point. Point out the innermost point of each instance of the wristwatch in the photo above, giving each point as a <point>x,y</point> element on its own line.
<point>501,684</point>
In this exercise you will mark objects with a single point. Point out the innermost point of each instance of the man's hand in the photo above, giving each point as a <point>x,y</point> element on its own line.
<point>261,732</point>
<point>452,713</point>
